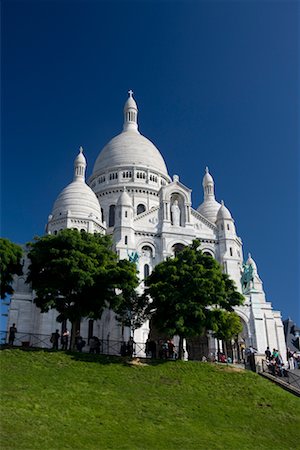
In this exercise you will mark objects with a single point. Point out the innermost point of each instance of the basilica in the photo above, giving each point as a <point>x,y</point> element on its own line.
<point>149,214</point>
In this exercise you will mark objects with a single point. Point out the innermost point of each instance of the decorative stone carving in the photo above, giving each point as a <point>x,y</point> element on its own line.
<point>175,210</point>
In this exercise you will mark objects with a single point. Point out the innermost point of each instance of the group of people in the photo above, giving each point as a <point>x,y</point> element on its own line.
<point>54,339</point>
<point>165,349</point>
<point>127,348</point>
<point>275,362</point>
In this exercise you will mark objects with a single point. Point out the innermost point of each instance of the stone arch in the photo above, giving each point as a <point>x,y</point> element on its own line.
<point>177,248</point>
<point>208,251</point>
<point>140,208</point>
<point>146,244</point>
<point>176,191</point>
<point>176,242</point>
<point>244,338</point>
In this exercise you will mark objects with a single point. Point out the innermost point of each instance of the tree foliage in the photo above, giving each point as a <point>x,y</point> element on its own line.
<point>224,324</point>
<point>131,309</point>
<point>186,289</point>
<point>10,265</point>
<point>78,274</point>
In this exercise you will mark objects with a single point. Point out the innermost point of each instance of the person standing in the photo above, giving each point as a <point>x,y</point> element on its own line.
<point>54,340</point>
<point>12,334</point>
<point>268,354</point>
<point>65,339</point>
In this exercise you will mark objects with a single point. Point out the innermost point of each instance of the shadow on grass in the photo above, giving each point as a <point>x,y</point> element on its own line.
<point>109,359</point>
<point>93,358</point>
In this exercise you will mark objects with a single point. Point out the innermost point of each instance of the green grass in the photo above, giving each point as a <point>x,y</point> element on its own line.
<point>72,401</point>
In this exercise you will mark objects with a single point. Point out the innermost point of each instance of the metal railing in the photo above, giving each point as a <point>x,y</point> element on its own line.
<point>105,346</point>
<point>285,375</point>
<point>42,341</point>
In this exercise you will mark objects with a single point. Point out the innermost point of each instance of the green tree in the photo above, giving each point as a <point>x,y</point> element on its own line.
<point>185,289</point>
<point>131,310</point>
<point>78,274</point>
<point>10,265</point>
<point>225,325</point>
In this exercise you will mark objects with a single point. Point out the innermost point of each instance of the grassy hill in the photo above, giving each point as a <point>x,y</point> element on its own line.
<point>77,401</point>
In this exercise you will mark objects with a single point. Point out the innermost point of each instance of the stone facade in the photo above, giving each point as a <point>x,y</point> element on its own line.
<point>131,196</point>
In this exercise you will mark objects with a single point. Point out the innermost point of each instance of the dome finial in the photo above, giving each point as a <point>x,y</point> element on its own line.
<point>208,185</point>
<point>130,114</point>
<point>79,166</point>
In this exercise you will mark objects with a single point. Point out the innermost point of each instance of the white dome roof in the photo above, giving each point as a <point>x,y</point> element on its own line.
<point>124,199</point>
<point>127,149</point>
<point>209,209</point>
<point>223,212</point>
<point>207,179</point>
<point>80,158</point>
<point>79,199</point>
<point>130,103</point>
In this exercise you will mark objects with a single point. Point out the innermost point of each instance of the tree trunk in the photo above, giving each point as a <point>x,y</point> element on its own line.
<point>74,329</point>
<point>180,349</point>
<point>225,349</point>
<point>218,350</point>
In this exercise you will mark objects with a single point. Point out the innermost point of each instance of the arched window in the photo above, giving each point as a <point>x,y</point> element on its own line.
<point>146,271</point>
<point>111,218</point>
<point>147,251</point>
<point>177,248</point>
<point>207,253</point>
<point>140,209</point>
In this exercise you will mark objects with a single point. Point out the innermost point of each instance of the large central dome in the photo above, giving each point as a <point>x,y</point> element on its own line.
<point>127,149</point>
<point>130,148</point>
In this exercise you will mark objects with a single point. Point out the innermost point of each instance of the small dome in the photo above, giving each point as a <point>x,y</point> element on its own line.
<point>124,199</point>
<point>127,149</point>
<point>130,102</point>
<point>223,212</point>
<point>80,159</point>
<point>209,209</point>
<point>79,199</point>
<point>207,179</point>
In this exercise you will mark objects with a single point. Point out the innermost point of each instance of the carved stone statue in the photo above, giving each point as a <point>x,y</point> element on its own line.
<point>175,210</point>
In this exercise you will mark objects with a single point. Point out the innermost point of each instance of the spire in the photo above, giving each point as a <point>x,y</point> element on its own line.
<point>130,114</point>
<point>208,186</point>
<point>79,166</point>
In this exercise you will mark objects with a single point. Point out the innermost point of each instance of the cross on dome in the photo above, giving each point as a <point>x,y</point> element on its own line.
<point>130,114</point>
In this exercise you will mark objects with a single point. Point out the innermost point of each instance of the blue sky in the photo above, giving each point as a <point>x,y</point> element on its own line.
<point>217,84</point>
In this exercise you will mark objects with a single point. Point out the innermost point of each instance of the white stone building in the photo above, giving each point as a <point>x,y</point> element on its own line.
<point>131,196</point>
